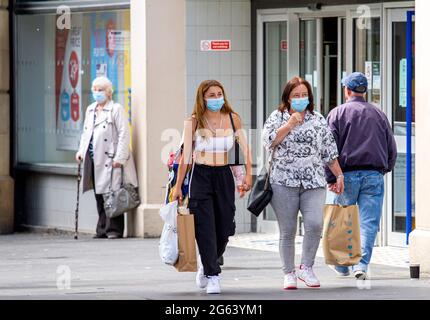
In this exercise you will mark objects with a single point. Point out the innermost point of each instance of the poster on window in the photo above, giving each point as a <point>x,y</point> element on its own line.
<point>402,82</point>
<point>68,86</point>
<point>110,54</point>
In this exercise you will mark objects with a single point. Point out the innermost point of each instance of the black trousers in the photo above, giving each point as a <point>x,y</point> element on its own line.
<point>212,195</point>
<point>106,226</point>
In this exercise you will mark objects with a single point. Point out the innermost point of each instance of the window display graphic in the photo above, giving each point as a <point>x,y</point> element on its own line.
<point>68,53</point>
<point>110,53</point>
<point>104,54</point>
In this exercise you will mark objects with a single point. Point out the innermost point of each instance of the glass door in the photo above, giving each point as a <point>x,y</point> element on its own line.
<point>396,96</point>
<point>341,62</point>
<point>308,54</point>
<point>367,54</point>
<point>275,74</point>
<point>274,71</point>
<point>275,64</point>
<point>294,44</point>
<point>321,60</point>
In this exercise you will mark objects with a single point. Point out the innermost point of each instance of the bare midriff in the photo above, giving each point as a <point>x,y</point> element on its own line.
<point>211,158</point>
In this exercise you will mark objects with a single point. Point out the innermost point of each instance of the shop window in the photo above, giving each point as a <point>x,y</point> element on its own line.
<point>367,55</point>
<point>55,68</point>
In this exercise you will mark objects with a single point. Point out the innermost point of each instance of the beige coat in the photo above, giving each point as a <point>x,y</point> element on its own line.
<point>111,143</point>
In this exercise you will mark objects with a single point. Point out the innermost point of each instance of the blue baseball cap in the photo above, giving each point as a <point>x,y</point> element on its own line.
<point>356,82</point>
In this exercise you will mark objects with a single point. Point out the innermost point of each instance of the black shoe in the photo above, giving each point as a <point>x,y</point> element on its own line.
<point>100,236</point>
<point>221,260</point>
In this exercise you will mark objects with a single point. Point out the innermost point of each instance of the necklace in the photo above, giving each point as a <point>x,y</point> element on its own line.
<point>211,128</point>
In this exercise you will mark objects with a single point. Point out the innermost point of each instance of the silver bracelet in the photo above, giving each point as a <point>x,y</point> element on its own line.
<point>340,176</point>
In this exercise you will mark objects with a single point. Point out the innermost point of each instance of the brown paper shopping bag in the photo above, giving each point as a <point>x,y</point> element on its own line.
<point>341,235</point>
<point>187,261</point>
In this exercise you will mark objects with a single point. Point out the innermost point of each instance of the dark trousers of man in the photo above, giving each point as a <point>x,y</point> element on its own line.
<point>212,194</point>
<point>106,226</point>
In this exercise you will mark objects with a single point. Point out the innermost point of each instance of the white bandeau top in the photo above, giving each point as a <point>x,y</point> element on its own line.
<point>214,144</point>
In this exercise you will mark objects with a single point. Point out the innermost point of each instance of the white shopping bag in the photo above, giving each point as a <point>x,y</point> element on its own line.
<point>168,246</point>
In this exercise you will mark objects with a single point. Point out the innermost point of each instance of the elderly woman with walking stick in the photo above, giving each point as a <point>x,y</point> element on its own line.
<point>104,150</point>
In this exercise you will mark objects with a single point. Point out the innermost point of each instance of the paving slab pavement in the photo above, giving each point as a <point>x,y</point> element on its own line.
<point>36,266</point>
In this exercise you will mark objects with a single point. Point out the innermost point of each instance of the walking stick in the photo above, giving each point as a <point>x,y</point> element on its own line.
<point>77,201</point>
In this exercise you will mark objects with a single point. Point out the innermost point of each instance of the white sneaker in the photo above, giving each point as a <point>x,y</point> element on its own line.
<point>213,285</point>
<point>307,275</point>
<point>201,279</point>
<point>290,281</point>
<point>360,275</point>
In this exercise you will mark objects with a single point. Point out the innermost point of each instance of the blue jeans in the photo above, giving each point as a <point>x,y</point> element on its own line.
<point>366,189</point>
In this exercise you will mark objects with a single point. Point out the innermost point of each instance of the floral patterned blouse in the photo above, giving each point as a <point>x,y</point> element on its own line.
<point>299,160</point>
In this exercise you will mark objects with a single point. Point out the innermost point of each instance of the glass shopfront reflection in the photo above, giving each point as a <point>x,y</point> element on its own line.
<point>275,74</point>
<point>55,68</point>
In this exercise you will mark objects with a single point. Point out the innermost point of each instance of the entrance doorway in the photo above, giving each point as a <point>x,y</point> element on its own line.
<point>324,46</point>
<point>313,48</point>
<point>396,108</point>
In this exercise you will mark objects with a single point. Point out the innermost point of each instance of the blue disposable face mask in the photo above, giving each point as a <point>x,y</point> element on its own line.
<point>99,96</point>
<point>215,105</point>
<point>299,104</point>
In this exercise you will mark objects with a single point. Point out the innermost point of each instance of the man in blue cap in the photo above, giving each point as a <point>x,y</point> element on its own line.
<point>367,151</point>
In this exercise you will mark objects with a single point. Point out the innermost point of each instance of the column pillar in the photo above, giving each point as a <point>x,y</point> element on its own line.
<point>158,57</point>
<point>6,182</point>
<point>420,237</point>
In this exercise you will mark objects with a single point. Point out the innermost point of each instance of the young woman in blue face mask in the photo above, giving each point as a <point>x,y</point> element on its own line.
<point>104,149</point>
<point>209,135</point>
<point>302,144</point>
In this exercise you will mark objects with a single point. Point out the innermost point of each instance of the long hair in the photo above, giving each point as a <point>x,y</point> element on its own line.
<point>200,103</point>
<point>293,83</point>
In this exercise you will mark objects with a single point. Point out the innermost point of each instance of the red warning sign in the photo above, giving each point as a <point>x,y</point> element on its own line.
<point>284,45</point>
<point>215,45</point>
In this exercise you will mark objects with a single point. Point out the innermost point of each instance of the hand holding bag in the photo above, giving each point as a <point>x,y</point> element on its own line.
<point>261,192</point>
<point>122,200</point>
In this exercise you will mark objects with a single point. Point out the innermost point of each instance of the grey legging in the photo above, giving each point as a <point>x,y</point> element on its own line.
<point>287,202</point>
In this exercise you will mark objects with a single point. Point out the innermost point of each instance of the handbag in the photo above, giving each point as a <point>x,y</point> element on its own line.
<point>262,192</point>
<point>235,156</point>
<point>122,200</point>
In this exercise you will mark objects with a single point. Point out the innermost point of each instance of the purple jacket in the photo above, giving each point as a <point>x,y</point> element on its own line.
<point>364,137</point>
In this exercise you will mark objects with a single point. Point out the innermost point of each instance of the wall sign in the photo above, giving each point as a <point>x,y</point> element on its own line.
<point>215,45</point>
<point>284,45</point>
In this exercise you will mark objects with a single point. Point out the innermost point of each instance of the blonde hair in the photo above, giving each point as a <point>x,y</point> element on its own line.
<point>105,83</point>
<point>200,104</point>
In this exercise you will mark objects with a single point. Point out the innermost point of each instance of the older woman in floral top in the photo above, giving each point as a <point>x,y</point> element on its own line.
<point>303,145</point>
